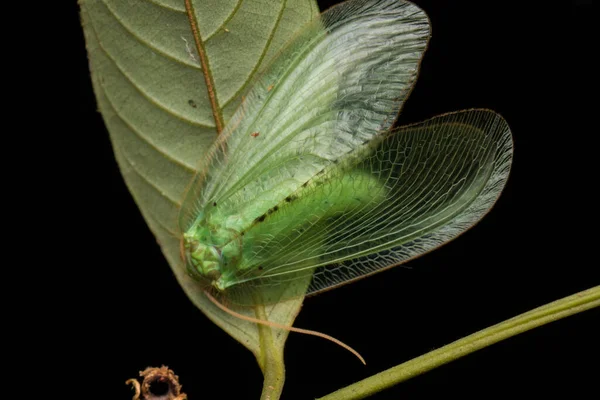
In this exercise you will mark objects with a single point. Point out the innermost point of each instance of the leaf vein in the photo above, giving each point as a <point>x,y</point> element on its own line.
<point>152,184</point>
<point>145,138</point>
<point>184,61</point>
<point>141,91</point>
<point>225,21</point>
<point>161,224</point>
<point>170,8</point>
<point>261,58</point>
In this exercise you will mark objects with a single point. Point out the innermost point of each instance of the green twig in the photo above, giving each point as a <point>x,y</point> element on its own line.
<point>540,316</point>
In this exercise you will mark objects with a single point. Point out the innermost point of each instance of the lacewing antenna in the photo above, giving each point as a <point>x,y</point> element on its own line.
<point>280,326</point>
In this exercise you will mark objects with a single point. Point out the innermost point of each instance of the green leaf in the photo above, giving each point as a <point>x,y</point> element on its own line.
<point>163,109</point>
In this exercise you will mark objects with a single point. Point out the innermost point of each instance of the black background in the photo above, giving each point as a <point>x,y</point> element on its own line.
<point>532,64</point>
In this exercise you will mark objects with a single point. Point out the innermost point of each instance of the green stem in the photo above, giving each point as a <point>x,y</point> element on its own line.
<point>540,316</point>
<point>270,360</point>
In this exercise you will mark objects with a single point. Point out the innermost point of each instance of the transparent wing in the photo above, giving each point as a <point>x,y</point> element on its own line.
<point>338,85</point>
<point>398,198</point>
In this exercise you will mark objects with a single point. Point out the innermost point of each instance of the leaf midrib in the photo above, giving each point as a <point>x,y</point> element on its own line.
<point>208,76</point>
<point>206,71</point>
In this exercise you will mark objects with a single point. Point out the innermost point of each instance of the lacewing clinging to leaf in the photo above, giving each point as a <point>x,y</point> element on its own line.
<point>309,186</point>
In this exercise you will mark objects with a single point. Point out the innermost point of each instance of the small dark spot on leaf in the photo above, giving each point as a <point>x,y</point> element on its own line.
<point>275,208</point>
<point>260,268</point>
<point>304,184</point>
<point>214,204</point>
<point>255,134</point>
<point>261,218</point>
<point>192,103</point>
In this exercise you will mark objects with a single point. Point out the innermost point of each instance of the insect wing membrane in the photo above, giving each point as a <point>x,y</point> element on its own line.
<point>400,197</point>
<point>440,177</point>
<point>339,84</point>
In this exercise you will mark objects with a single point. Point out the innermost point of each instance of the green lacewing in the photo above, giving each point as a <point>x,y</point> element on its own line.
<point>309,186</point>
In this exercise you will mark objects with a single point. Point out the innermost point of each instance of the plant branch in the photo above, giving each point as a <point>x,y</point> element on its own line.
<point>554,311</point>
